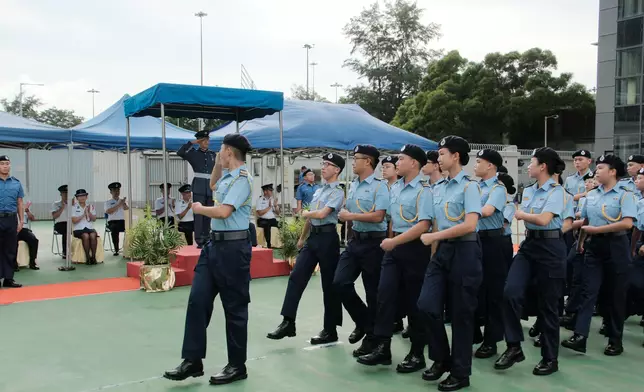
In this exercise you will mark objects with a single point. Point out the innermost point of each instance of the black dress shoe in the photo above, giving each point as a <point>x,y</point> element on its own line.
<point>545,367</point>
<point>511,356</point>
<point>381,355</point>
<point>356,335</point>
<point>405,333</point>
<point>34,267</point>
<point>568,322</point>
<point>534,331</point>
<point>452,383</point>
<point>367,347</point>
<point>537,341</point>
<point>485,351</point>
<point>186,369</point>
<point>436,371</point>
<point>286,328</point>
<point>576,343</point>
<point>325,337</point>
<point>229,374</point>
<point>602,329</point>
<point>10,283</point>
<point>413,362</point>
<point>398,326</point>
<point>614,349</point>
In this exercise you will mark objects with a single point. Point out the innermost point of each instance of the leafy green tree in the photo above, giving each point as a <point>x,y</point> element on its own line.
<point>299,92</point>
<point>53,116</point>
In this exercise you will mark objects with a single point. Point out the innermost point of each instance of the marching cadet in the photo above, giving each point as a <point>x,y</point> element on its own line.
<point>223,268</point>
<point>59,214</point>
<point>266,209</point>
<point>542,254</point>
<point>185,213</point>
<point>494,242</point>
<point>608,217</point>
<point>202,160</point>
<point>510,208</point>
<point>321,248</point>
<point>306,190</point>
<point>11,221</point>
<point>389,172</point>
<point>634,164</point>
<point>160,207</point>
<point>367,202</point>
<point>115,209</point>
<point>574,184</point>
<point>432,168</point>
<point>636,283</point>
<point>404,262</point>
<point>454,268</point>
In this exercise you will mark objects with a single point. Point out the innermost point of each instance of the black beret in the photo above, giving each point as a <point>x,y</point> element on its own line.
<point>502,169</point>
<point>581,153</point>
<point>508,182</point>
<point>81,192</point>
<point>185,188</point>
<point>267,187</point>
<point>414,152</point>
<point>62,188</point>
<point>456,144</point>
<point>491,156</point>
<point>334,159</point>
<point>238,141</point>
<point>169,186</point>
<point>432,156</point>
<point>614,162</point>
<point>306,172</point>
<point>367,149</point>
<point>4,158</point>
<point>202,134</point>
<point>589,176</point>
<point>390,159</point>
<point>636,158</point>
<point>114,185</point>
<point>550,157</point>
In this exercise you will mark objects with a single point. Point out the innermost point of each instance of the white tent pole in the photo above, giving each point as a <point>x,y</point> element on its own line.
<point>282,163</point>
<point>165,164</point>
<point>129,170</point>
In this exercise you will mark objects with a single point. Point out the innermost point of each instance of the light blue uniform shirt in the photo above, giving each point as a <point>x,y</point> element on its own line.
<point>581,204</point>
<point>629,185</point>
<point>548,198</point>
<point>603,208</point>
<point>569,208</point>
<point>410,204</point>
<point>640,214</point>
<point>458,197</point>
<point>305,192</point>
<point>508,214</point>
<point>493,192</point>
<point>234,188</point>
<point>10,191</point>
<point>575,184</point>
<point>368,196</point>
<point>329,195</point>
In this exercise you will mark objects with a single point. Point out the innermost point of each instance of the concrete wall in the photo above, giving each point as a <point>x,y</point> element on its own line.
<point>606,65</point>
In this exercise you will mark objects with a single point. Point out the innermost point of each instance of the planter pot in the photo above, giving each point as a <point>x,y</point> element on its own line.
<point>157,278</point>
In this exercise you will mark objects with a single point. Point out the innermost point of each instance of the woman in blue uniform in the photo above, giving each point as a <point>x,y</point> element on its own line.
<point>608,213</point>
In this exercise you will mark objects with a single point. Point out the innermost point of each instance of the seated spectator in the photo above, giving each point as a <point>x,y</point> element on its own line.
<point>83,218</point>
<point>115,209</point>
<point>184,213</point>
<point>59,214</point>
<point>29,238</point>
<point>160,207</point>
<point>266,208</point>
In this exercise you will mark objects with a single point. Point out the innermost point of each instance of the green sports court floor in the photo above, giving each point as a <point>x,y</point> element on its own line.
<point>124,341</point>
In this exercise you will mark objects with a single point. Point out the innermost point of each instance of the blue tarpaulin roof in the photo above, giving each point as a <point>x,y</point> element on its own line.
<point>310,124</point>
<point>108,131</point>
<point>16,129</point>
<point>204,102</point>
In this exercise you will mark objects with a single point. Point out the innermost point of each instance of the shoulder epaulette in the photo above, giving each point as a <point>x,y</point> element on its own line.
<point>243,173</point>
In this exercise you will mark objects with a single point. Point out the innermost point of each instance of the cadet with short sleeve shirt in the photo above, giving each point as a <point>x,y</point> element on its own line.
<point>115,219</point>
<point>575,184</point>
<point>11,210</point>
<point>59,214</point>
<point>607,256</point>
<point>161,209</point>
<point>267,220</point>
<point>184,207</point>
<point>305,191</point>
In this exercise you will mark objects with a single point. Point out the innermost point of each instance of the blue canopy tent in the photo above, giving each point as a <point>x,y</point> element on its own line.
<point>198,102</point>
<point>108,131</point>
<point>16,130</point>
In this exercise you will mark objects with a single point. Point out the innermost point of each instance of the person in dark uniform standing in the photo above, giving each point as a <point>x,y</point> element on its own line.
<point>223,268</point>
<point>322,247</point>
<point>202,160</point>
<point>454,268</point>
<point>608,216</point>
<point>366,205</point>
<point>115,209</point>
<point>542,254</point>
<point>11,221</point>
<point>404,263</point>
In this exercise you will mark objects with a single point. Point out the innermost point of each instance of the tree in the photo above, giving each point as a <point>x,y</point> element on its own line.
<point>59,117</point>
<point>192,124</point>
<point>30,106</point>
<point>390,51</point>
<point>53,116</point>
<point>502,99</point>
<point>299,92</point>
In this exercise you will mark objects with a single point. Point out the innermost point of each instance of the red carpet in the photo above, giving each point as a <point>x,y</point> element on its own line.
<point>67,290</point>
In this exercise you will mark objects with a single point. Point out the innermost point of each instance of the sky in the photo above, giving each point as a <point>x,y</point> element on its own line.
<point>125,46</point>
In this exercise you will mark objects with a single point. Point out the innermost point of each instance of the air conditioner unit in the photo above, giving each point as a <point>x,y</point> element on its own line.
<point>271,162</point>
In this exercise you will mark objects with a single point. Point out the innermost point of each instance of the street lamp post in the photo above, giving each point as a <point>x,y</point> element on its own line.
<point>313,64</point>
<point>307,47</point>
<point>201,15</point>
<point>545,128</point>
<point>336,85</point>
<point>93,92</point>
<point>20,97</point>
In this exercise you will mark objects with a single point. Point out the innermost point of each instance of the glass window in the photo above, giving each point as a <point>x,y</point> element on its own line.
<point>628,8</point>
<point>629,62</point>
<point>629,32</point>
<point>627,120</point>
<point>626,145</point>
<point>627,91</point>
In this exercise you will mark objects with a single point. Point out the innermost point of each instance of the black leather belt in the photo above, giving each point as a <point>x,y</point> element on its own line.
<point>492,233</point>
<point>466,238</point>
<point>217,236</point>
<point>368,235</point>
<point>544,234</point>
<point>331,228</point>
<point>7,214</point>
<point>613,234</point>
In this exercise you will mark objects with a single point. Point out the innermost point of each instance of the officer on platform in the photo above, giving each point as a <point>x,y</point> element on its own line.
<point>321,248</point>
<point>608,216</point>
<point>202,160</point>
<point>454,268</point>
<point>11,221</point>
<point>404,263</point>
<point>223,268</point>
<point>366,205</point>
<point>542,254</point>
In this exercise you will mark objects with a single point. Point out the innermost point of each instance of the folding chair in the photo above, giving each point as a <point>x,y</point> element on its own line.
<point>55,242</point>
<point>107,236</point>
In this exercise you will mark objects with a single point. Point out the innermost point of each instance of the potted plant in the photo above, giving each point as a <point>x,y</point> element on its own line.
<point>153,242</point>
<point>290,231</point>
